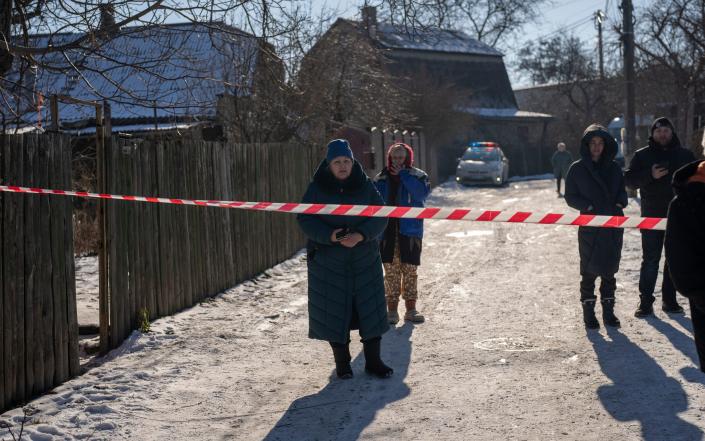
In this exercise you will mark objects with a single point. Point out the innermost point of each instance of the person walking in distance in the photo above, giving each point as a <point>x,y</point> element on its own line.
<point>651,171</point>
<point>402,185</point>
<point>560,161</point>
<point>595,185</point>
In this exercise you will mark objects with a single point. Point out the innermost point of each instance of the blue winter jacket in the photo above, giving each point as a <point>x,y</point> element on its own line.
<point>413,190</point>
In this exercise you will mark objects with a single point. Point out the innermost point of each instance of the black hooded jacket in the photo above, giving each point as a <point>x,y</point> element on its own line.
<point>656,193</point>
<point>597,188</point>
<point>685,234</point>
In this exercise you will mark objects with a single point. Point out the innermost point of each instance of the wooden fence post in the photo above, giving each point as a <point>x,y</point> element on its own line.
<point>103,287</point>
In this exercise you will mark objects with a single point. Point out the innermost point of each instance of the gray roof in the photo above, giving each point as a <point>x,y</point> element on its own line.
<point>437,40</point>
<point>180,69</point>
<point>504,113</point>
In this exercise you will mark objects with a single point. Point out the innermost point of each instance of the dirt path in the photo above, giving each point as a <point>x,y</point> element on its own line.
<point>503,355</point>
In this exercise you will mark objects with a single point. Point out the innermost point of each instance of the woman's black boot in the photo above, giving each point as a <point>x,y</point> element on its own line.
<point>589,315</point>
<point>341,354</point>
<point>373,361</point>
<point>608,313</point>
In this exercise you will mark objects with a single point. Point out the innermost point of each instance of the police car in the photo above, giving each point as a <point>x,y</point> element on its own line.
<point>483,162</point>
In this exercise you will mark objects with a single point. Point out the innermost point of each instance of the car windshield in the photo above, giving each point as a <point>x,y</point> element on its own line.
<point>481,154</point>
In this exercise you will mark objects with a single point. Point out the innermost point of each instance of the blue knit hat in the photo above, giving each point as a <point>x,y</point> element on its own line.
<point>338,147</point>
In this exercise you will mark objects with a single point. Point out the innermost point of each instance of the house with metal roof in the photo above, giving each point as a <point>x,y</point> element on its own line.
<point>155,78</point>
<point>477,75</point>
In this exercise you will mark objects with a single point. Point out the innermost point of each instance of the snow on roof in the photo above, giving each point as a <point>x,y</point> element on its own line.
<point>133,128</point>
<point>438,40</point>
<point>503,113</point>
<point>178,69</point>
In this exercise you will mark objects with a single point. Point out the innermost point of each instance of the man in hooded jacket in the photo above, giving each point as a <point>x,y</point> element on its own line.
<point>595,186</point>
<point>651,171</point>
<point>685,245</point>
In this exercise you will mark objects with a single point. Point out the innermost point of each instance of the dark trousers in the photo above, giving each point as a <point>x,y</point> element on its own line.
<point>697,312</point>
<point>558,183</point>
<point>652,245</point>
<point>608,286</point>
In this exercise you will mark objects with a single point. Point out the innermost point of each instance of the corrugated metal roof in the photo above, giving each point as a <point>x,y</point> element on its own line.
<point>437,40</point>
<point>178,69</point>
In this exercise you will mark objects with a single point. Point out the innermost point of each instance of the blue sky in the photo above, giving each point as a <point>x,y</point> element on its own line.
<point>557,16</point>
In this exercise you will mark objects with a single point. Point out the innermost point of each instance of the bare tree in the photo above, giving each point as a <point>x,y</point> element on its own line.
<point>490,21</point>
<point>564,61</point>
<point>345,81</point>
<point>97,45</point>
<point>672,37</point>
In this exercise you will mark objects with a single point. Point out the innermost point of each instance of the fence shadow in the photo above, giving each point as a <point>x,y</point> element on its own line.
<point>641,391</point>
<point>344,408</point>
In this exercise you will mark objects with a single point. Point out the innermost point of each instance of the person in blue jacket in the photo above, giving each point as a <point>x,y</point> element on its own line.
<point>345,279</point>
<point>402,185</point>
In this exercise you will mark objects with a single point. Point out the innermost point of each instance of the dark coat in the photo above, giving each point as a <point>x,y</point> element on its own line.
<point>685,234</point>
<point>597,188</point>
<point>561,163</point>
<point>345,285</point>
<point>656,193</point>
<point>413,188</point>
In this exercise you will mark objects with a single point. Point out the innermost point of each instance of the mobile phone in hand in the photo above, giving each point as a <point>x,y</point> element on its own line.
<point>663,165</point>
<point>342,234</point>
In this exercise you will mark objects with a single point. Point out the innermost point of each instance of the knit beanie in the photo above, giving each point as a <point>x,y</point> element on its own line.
<point>661,122</point>
<point>338,147</point>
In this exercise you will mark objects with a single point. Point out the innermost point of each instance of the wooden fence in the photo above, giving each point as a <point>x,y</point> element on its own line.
<point>166,258</point>
<point>38,325</point>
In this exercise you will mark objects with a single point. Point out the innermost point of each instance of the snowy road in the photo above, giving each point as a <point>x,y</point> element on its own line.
<point>503,354</point>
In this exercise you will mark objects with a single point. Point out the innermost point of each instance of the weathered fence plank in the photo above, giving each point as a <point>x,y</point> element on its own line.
<point>167,258</point>
<point>37,301</point>
<point>3,140</point>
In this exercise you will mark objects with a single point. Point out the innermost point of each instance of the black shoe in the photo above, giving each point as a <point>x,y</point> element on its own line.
<point>373,361</point>
<point>589,316</point>
<point>644,310</point>
<point>341,354</point>
<point>608,316</point>
<point>674,308</point>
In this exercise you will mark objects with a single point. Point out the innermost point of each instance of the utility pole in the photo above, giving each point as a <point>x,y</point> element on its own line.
<point>628,41</point>
<point>599,18</point>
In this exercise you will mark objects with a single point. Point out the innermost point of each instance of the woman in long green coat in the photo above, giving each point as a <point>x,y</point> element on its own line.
<point>345,277</point>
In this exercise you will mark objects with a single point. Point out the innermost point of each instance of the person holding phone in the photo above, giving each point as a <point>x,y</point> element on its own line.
<point>402,185</point>
<point>595,185</point>
<point>651,171</point>
<point>345,278</point>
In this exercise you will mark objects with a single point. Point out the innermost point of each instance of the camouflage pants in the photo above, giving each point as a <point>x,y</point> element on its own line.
<point>399,279</point>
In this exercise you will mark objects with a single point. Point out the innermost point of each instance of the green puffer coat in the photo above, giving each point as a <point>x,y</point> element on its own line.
<point>345,285</point>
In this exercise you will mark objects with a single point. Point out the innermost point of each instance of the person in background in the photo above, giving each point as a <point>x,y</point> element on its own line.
<point>595,185</point>
<point>402,185</point>
<point>345,278</point>
<point>651,171</point>
<point>560,161</point>
<point>685,245</point>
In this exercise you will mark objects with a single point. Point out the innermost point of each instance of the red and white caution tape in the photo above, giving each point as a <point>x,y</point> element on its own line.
<point>466,214</point>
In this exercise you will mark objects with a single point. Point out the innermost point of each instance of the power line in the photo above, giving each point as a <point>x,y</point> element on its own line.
<point>571,26</point>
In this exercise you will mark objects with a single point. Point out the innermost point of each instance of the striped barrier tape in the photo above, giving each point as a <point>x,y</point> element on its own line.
<point>466,214</point>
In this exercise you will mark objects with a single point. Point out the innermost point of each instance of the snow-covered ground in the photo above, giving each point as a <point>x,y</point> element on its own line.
<point>503,354</point>
<point>87,290</point>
